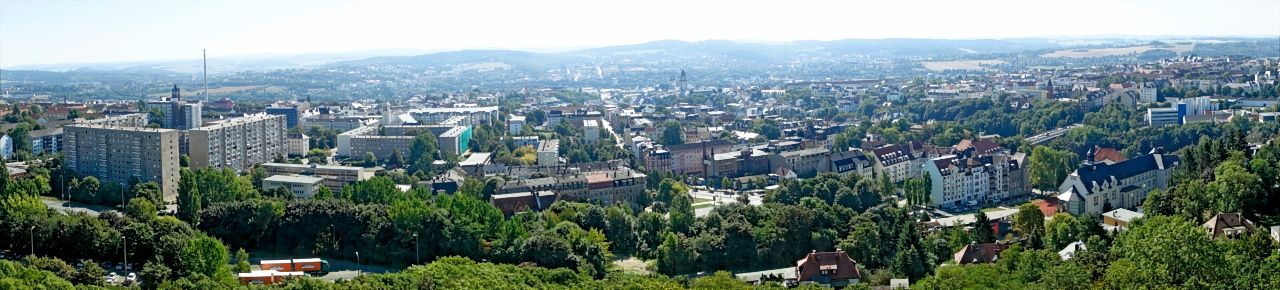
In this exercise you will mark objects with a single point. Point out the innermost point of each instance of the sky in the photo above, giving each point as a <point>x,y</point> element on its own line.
<point>67,31</point>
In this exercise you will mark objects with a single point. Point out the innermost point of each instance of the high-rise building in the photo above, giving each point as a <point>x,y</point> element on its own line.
<point>291,114</point>
<point>119,154</point>
<point>176,113</point>
<point>238,143</point>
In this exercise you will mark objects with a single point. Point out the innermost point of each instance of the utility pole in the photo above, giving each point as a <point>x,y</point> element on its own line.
<point>33,240</point>
<point>126,253</point>
<point>417,259</point>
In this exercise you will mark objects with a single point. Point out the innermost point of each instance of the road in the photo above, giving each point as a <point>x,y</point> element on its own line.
<point>70,206</point>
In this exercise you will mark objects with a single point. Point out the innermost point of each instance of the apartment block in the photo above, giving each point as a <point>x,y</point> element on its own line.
<point>238,143</point>
<point>118,154</point>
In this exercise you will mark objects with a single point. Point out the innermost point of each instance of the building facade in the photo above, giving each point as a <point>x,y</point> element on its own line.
<point>119,154</point>
<point>238,143</point>
<point>1097,186</point>
<point>334,176</point>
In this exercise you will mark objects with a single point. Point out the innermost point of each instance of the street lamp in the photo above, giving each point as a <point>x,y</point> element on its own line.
<point>417,259</point>
<point>33,240</point>
<point>358,268</point>
<point>126,253</point>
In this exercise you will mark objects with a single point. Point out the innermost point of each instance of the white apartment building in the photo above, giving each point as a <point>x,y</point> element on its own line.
<point>238,143</point>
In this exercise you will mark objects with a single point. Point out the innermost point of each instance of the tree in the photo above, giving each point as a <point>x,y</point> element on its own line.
<point>323,193</point>
<point>982,231</point>
<point>676,255</point>
<point>1029,220</point>
<point>242,261</point>
<point>370,160</point>
<point>189,197</point>
<point>90,274</point>
<point>1047,167</point>
<point>141,209</point>
<point>87,190</point>
<point>681,214</point>
<point>1062,230</point>
<point>1163,251</point>
<point>672,134</point>
<point>205,256</point>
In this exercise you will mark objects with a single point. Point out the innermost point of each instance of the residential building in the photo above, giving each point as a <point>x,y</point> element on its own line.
<point>851,162</point>
<point>46,141</point>
<point>126,120</point>
<point>6,147</point>
<point>734,164</point>
<point>1148,92</point>
<point>1095,186</point>
<point>896,162</point>
<point>337,123</point>
<point>512,203</point>
<point>685,158</point>
<point>590,130</point>
<point>474,115</point>
<point>301,185</point>
<point>238,143</point>
<point>980,172</point>
<point>1229,226</point>
<point>456,140</point>
<point>980,253</point>
<point>515,125</point>
<point>120,154</point>
<point>831,269</point>
<point>549,153</point>
<point>297,144</point>
<point>522,141</point>
<point>334,176</point>
<point>1119,219</point>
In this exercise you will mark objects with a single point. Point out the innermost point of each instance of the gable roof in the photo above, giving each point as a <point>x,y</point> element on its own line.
<point>980,253</point>
<point>1102,173</point>
<point>1228,224</point>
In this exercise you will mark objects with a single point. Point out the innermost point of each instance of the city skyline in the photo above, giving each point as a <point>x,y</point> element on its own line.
<point>34,32</point>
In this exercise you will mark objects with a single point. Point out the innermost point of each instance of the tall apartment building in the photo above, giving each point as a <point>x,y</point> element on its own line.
<point>118,154</point>
<point>127,120</point>
<point>238,143</point>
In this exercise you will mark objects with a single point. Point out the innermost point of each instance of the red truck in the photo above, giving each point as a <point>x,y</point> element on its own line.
<point>307,265</point>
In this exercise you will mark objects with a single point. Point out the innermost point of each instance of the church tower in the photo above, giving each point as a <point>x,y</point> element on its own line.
<point>684,84</point>
<point>177,94</point>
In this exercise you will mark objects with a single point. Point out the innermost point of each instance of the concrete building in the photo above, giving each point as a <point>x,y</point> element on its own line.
<point>292,114</point>
<point>590,130</point>
<point>238,143</point>
<point>301,185</point>
<point>118,154</point>
<point>127,120</point>
<point>804,162</point>
<point>474,115</point>
<point>1095,186</point>
<point>337,123</point>
<point>6,147</point>
<point>549,153</point>
<point>176,113</point>
<point>685,158</point>
<point>852,162</point>
<point>1174,116</point>
<point>456,140</point>
<point>515,125</point>
<point>297,144</point>
<point>47,141</point>
<point>334,176</point>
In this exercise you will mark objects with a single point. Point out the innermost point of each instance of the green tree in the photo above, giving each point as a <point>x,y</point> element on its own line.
<point>141,209</point>
<point>1029,220</point>
<point>681,214</point>
<point>1047,167</point>
<point>242,261</point>
<point>676,255</point>
<point>1157,252</point>
<point>1063,229</point>
<point>673,134</point>
<point>205,256</point>
<point>982,231</point>
<point>189,197</point>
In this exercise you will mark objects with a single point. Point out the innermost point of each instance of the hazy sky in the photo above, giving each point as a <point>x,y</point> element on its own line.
<point>46,32</point>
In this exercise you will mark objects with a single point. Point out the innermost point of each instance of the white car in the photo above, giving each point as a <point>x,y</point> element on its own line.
<point>133,277</point>
<point>111,278</point>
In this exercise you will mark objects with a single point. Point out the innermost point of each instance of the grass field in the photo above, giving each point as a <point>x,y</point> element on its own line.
<point>1115,51</point>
